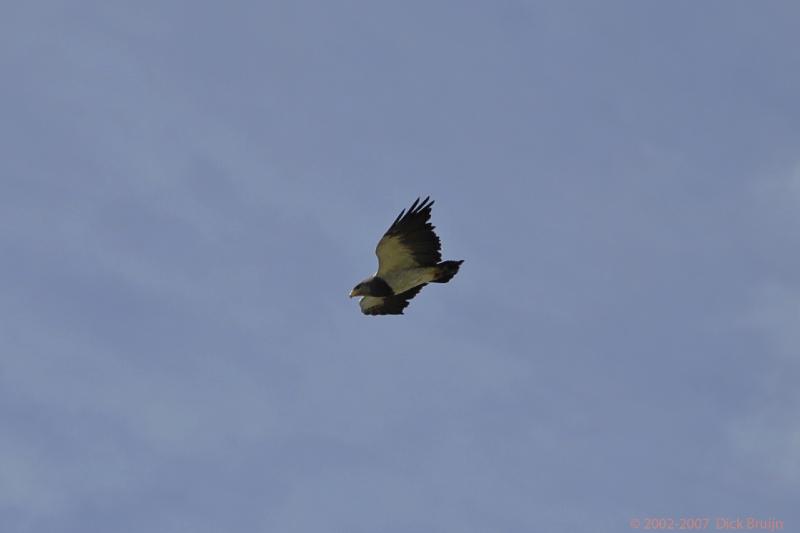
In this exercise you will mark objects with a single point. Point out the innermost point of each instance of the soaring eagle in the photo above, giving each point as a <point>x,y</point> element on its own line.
<point>408,259</point>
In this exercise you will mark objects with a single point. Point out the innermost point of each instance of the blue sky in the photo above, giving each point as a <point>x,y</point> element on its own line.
<point>190,190</point>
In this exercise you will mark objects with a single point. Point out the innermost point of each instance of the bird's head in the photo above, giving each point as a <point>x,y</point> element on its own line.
<point>359,290</point>
<point>374,286</point>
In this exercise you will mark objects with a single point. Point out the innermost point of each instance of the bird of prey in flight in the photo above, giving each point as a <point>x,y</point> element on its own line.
<point>408,259</point>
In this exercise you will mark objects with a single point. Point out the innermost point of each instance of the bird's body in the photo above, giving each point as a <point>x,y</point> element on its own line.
<point>408,278</point>
<point>408,259</point>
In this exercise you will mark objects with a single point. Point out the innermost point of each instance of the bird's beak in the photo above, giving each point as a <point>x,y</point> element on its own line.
<point>353,293</point>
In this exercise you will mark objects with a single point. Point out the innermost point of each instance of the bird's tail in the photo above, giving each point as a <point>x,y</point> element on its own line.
<point>446,270</point>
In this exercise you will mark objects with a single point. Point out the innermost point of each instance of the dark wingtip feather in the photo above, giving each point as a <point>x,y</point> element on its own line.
<point>403,212</point>
<point>426,204</point>
<point>416,208</point>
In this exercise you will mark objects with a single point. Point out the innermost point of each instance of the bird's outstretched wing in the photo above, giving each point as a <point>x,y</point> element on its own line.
<point>410,241</point>
<point>388,305</point>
